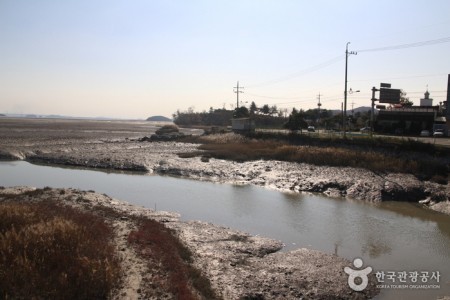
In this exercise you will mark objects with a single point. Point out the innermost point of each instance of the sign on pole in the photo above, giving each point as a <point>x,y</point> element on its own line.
<point>389,95</point>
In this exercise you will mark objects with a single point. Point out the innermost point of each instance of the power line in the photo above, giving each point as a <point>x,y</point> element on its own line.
<point>333,98</point>
<point>405,77</point>
<point>402,32</point>
<point>410,45</point>
<point>300,73</point>
<point>272,97</point>
<point>301,99</point>
<point>340,57</point>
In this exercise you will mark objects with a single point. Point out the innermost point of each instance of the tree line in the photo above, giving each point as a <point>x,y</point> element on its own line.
<point>268,116</point>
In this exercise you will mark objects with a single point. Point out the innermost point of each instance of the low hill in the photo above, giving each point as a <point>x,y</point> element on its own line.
<point>362,109</point>
<point>159,119</point>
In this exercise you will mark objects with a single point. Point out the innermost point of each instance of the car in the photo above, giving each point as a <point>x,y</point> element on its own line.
<point>311,128</point>
<point>398,131</point>
<point>438,133</point>
<point>365,130</point>
<point>424,133</point>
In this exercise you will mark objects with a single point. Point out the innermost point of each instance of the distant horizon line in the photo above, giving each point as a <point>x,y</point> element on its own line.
<point>100,118</point>
<point>56,116</point>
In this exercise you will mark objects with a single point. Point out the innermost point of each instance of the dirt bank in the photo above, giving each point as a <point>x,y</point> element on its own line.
<point>237,264</point>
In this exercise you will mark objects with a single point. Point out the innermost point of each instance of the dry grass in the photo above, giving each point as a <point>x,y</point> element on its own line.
<point>167,129</point>
<point>217,138</point>
<point>223,138</point>
<point>376,161</point>
<point>156,242</point>
<point>48,251</point>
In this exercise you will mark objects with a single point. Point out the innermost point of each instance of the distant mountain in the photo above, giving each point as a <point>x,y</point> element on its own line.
<point>2,115</point>
<point>159,119</point>
<point>361,109</point>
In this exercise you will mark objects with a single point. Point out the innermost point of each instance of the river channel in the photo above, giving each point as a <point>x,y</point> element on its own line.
<point>389,236</point>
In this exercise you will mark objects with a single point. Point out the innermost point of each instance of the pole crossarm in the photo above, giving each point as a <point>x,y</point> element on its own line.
<point>237,91</point>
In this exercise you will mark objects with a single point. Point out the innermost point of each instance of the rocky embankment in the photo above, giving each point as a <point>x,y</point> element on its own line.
<point>238,265</point>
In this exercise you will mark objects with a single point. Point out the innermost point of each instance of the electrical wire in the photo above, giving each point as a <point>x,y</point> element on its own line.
<point>410,45</point>
<point>405,77</point>
<point>271,97</point>
<point>332,98</point>
<point>341,57</point>
<point>300,73</point>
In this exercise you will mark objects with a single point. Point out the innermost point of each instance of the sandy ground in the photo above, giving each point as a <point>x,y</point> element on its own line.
<point>238,265</point>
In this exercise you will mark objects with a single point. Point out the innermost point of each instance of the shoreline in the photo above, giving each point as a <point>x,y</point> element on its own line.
<point>237,264</point>
<point>162,158</point>
<point>119,145</point>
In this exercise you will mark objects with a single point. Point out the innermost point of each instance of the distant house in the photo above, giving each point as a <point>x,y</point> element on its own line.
<point>242,125</point>
<point>409,120</point>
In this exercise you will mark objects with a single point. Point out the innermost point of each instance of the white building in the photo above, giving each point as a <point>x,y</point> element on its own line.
<point>427,101</point>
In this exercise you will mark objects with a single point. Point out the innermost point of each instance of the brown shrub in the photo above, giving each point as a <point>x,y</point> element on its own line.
<point>53,252</point>
<point>154,240</point>
<point>167,129</point>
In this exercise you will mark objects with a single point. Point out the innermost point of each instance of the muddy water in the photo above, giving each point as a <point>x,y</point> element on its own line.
<point>389,237</point>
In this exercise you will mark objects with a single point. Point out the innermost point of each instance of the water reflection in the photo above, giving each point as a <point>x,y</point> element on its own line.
<point>337,244</point>
<point>375,248</point>
<point>239,200</point>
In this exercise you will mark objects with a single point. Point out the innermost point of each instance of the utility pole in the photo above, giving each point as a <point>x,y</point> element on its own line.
<point>318,108</point>
<point>374,89</point>
<point>237,91</point>
<point>345,92</point>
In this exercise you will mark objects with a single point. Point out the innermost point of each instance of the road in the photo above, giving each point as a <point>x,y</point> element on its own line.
<point>443,141</point>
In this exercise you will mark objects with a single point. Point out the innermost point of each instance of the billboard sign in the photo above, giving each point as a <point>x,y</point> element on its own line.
<point>390,96</point>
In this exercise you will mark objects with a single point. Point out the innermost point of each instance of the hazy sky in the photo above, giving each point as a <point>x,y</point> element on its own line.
<point>134,59</point>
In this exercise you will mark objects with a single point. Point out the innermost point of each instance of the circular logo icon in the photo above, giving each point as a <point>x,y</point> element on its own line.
<point>353,274</point>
